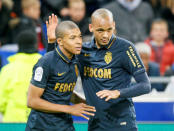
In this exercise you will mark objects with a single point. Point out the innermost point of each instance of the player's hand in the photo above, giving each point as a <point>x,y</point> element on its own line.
<point>108,94</point>
<point>51,27</point>
<point>81,109</point>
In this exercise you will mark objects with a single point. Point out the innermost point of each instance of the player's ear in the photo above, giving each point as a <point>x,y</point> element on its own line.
<point>90,28</point>
<point>59,41</point>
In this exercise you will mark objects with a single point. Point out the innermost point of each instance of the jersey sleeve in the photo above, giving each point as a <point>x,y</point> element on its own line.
<point>40,73</point>
<point>131,61</point>
<point>51,46</point>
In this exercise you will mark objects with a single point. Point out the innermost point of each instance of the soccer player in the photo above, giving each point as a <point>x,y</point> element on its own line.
<point>54,78</point>
<point>107,64</point>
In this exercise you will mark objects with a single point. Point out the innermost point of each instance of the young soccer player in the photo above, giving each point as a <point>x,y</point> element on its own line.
<point>54,78</point>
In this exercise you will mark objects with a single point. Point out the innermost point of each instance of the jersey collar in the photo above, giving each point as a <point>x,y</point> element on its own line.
<point>60,53</point>
<point>112,40</point>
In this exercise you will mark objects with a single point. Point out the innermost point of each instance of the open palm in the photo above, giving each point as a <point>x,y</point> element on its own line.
<point>51,27</point>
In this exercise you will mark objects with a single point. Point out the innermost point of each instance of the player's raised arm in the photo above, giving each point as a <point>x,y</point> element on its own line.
<point>51,25</point>
<point>36,102</point>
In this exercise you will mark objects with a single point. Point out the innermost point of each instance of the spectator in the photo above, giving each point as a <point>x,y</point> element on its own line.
<point>77,11</point>
<point>15,78</point>
<point>133,18</point>
<point>29,20</point>
<point>5,8</point>
<point>152,68</point>
<point>162,49</point>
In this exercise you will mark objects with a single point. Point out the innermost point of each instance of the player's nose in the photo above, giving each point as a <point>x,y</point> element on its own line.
<point>79,41</point>
<point>105,35</point>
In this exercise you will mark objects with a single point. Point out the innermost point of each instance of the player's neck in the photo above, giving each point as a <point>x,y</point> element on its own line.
<point>66,52</point>
<point>98,45</point>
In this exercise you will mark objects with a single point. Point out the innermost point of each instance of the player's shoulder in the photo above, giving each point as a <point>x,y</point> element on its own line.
<point>86,47</point>
<point>123,43</point>
<point>47,58</point>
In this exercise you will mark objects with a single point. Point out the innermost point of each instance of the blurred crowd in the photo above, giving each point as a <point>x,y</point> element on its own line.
<point>149,24</point>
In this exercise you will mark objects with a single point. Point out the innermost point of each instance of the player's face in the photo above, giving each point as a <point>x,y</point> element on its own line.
<point>159,32</point>
<point>72,41</point>
<point>34,11</point>
<point>103,28</point>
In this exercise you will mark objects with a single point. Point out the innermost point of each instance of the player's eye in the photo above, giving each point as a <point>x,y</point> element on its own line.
<point>110,29</point>
<point>100,30</point>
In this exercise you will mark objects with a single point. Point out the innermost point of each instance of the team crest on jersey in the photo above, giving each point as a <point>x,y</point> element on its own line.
<point>76,70</point>
<point>108,57</point>
<point>38,73</point>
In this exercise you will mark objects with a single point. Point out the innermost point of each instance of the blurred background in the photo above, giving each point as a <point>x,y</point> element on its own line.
<point>149,24</point>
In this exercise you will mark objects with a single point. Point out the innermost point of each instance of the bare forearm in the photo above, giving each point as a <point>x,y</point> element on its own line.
<point>77,110</point>
<point>45,106</point>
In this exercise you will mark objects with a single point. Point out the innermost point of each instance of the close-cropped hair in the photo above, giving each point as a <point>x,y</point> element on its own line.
<point>101,13</point>
<point>63,27</point>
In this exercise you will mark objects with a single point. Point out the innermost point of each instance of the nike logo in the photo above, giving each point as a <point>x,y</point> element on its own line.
<point>60,74</point>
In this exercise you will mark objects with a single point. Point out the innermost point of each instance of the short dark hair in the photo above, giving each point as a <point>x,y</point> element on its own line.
<point>101,13</point>
<point>63,27</point>
<point>27,41</point>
